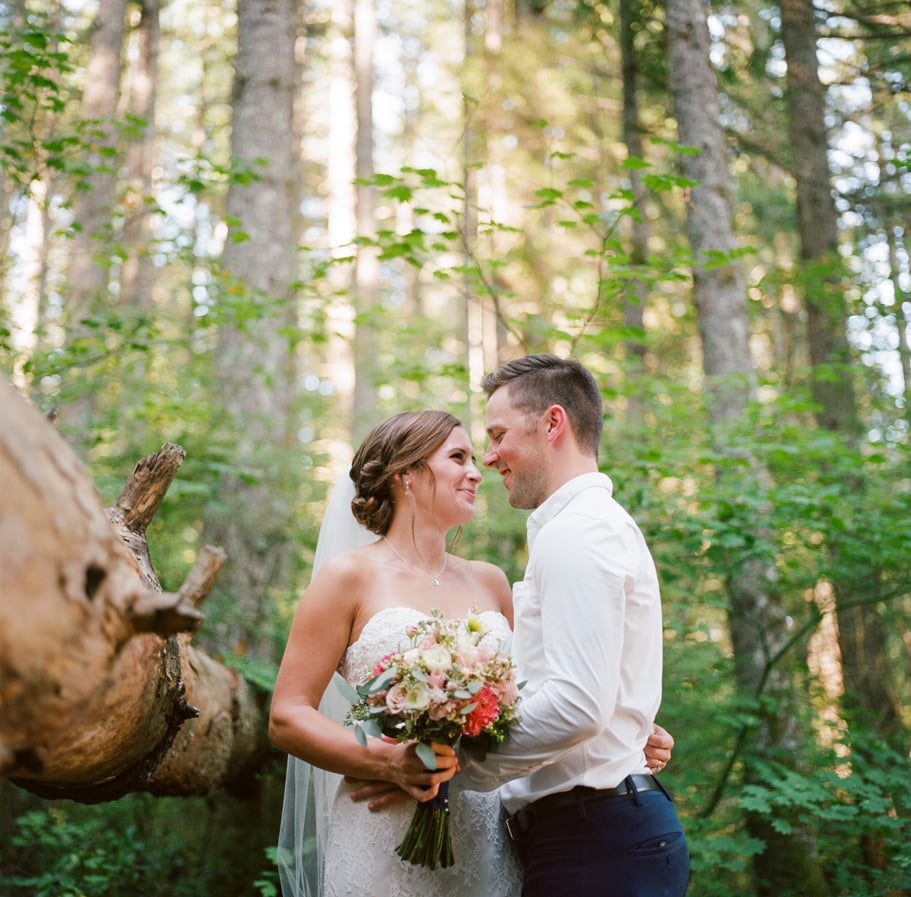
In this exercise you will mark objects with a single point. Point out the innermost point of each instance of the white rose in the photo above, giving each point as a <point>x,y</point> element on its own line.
<point>437,658</point>
<point>417,697</point>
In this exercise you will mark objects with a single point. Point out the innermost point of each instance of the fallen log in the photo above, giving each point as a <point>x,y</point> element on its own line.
<point>101,691</point>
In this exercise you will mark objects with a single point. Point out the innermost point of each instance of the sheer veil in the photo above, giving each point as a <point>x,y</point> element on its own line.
<point>310,791</point>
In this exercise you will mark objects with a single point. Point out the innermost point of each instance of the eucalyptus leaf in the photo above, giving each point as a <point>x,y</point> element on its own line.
<point>347,689</point>
<point>372,728</point>
<point>428,757</point>
<point>378,683</point>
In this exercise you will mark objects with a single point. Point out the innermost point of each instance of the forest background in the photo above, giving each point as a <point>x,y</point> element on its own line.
<point>253,232</point>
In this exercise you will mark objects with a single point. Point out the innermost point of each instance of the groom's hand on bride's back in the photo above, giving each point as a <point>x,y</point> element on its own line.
<point>658,748</point>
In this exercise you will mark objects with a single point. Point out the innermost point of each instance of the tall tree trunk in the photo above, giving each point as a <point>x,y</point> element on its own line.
<point>473,149</point>
<point>635,300</point>
<point>136,276</point>
<point>902,304</point>
<point>366,268</point>
<point>496,24</point>
<point>412,60</point>
<point>817,224</point>
<point>862,633</point>
<point>255,359</point>
<point>257,374</point>
<point>87,279</point>
<point>757,615</point>
<point>481,143</point>
<point>340,224</point>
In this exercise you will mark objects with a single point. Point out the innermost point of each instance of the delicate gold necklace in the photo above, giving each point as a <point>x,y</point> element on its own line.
<point>434,579</point>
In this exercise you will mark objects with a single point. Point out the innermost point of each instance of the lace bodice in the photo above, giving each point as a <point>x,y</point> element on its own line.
<point>360,851</point>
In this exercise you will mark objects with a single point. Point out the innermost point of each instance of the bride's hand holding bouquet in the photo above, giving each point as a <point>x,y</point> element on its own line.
<point>449,686</point>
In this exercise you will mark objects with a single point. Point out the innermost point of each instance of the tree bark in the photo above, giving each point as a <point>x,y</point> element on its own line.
<point>862,634</point>
<point>635,300</point>
<point>86,278</point>
<point>756,610</point>
<point>340,222</point>
<point>95,204</point>
<point>817,222</point>
<point>870,697</point>
<point>258,326</point>
<point>366,267</point>
<point>137,277</point>
<point>101,692</point>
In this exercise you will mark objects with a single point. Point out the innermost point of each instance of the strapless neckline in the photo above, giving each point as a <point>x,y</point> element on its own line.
<point>387,631</point>
<point>404,612</point>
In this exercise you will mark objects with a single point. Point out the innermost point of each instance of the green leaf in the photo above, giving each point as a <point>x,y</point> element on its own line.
<point>377,683</point>
<point>428,757</point>
<point>347,689</point>
<point>372,728</point>
<point>400,192</point>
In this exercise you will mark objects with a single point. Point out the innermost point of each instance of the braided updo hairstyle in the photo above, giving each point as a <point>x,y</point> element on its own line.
<point>398,444</point>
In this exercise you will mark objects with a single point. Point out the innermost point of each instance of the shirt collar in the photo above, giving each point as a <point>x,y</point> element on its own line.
<point>556,502</point>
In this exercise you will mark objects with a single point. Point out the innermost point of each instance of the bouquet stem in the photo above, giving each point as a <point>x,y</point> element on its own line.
<point>427,841</point>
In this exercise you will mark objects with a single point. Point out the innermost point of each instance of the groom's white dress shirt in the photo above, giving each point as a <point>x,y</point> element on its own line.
<point>588,642</point>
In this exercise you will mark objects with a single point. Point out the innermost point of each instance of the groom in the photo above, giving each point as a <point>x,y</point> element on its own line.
<point>588,642</point>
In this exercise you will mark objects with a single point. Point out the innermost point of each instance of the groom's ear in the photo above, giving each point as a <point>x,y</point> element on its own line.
<point>556,423</point>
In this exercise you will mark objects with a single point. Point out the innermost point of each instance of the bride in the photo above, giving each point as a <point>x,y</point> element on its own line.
<point>414,479</point>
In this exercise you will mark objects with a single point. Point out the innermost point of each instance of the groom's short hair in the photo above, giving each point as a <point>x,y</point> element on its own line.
<point>538,381</point>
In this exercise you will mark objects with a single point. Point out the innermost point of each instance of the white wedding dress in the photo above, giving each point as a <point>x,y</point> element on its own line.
<point>360,857</point>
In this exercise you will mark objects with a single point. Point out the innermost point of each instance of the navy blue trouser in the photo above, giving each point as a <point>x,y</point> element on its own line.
<point>629,846</point>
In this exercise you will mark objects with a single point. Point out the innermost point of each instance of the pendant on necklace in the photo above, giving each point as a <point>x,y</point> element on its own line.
<point>435,581</point>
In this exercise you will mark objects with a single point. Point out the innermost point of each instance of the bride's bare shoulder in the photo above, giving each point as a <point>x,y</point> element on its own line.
<point>487,572</point>
<point>342,582</point>
<point>493,582</point>
<point>355,563</point>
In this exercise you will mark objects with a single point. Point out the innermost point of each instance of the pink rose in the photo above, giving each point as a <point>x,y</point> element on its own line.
<point>396,698</point>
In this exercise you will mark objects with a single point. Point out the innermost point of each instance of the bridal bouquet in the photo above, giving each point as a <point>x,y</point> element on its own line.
<point>449,685</point>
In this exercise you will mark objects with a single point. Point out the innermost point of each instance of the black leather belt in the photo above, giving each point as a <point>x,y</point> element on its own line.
<point>582,796</point>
